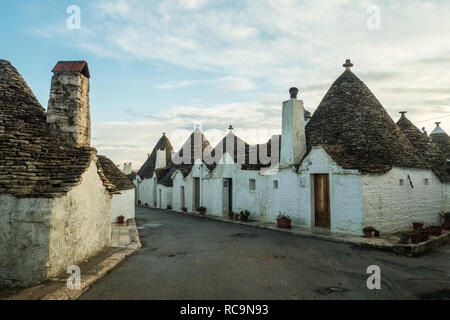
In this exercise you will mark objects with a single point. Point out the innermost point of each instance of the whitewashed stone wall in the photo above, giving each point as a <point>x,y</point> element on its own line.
<point>80,223</point>
<point>446,196</point>
<point>147,191</point>
<point>390,207</point>
<point>166,196</point>
<point>294,195</point>
<point>24,239</point>
<point>122,204</point>
<point>41,237</point>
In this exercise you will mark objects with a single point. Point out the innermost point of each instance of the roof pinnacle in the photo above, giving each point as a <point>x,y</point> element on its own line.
<point>348,64</point>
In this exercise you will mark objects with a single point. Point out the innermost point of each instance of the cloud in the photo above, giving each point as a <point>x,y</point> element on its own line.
<point>225,84</point>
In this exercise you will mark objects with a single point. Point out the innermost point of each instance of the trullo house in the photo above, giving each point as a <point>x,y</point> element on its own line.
<point>57,196</point>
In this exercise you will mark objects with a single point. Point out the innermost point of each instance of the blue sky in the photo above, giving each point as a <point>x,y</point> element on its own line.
<point>164,66</point>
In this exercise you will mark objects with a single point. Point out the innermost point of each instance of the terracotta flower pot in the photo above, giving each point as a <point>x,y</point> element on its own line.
<point>417,226</point>
<point>244,219</point>
<point>368,233</point>
<point>435,230</point>
<point>184,209</point>
<point>121,219</point>
<point>424,235</point>
<point>284,223</point>
<point>202,212</point>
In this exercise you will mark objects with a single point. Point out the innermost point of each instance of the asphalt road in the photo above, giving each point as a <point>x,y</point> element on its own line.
<point>187,257</point>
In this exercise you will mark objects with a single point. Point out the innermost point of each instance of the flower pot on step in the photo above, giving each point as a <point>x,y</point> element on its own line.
<point>284,223</point>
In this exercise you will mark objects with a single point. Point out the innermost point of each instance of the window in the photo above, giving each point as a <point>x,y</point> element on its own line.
<point>425,181</point>
<point>252,184</point>
<point>275,184</point>
<point>402,182</point>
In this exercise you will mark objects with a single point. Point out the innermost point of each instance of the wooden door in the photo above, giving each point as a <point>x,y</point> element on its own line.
<point>196,193</point>
<point>182,197</point>
<point>230,195</point>
<point>322,200</point>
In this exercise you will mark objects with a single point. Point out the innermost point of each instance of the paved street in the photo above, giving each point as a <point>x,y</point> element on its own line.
<point>187,257</point>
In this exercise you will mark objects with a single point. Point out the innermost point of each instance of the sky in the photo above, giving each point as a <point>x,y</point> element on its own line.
<point>166,66</point>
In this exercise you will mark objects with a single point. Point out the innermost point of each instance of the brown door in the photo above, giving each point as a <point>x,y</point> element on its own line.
<point>230,195</point>
<point>196,193</point>
<point>322,200</point>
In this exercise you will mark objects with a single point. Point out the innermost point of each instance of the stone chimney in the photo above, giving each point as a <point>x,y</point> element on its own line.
<point>293,141</point>
<point>127,168</point>
<point>68,107</point>
<point>160,159</point>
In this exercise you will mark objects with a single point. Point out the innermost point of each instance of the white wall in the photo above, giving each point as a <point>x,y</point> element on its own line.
<point>146,191</point>
<point>80,223</point>
<point>166,196</point>
<point>390,207</point>
<point>24,239</point>
<point>40,237</point>
<point>122,204</point>
<point>446,196</point>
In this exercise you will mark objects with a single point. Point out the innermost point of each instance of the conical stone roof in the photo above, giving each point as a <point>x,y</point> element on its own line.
<point>148,168</point>
<point>429,152</point>
<point>354,128</point>
<point>441,139</point>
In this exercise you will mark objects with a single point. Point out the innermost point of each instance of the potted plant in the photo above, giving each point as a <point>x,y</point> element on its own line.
<point>435,230</point>
<point>184,209</point>
<point>368,232</point>
<point>244,214</point>
<point>405,236</point>
<point>230,215</point>
<point>417,226</point>
<point>424,234</point>
<point>415,236</point>
<point>169,207</point>
<point>202,211</point>
<point>284,221</point>
<point>120,219</point>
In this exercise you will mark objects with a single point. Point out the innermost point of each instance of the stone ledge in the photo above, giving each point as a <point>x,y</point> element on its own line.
<point>388,243</point>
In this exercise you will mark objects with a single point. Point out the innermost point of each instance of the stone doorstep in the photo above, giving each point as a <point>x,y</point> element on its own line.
<point>57,289</point>
<point>386,243</point>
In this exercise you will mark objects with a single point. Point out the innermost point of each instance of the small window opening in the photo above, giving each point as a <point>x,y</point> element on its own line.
<point>402,182</point>
<point>275,184</point>
<point>252,184</point>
